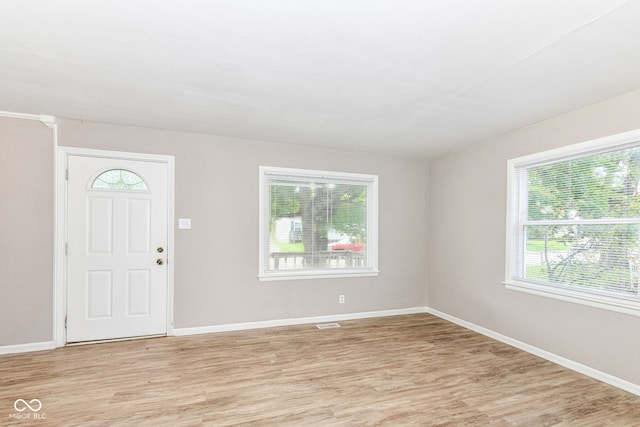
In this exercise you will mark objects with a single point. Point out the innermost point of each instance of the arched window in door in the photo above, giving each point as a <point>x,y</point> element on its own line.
<point>119,179</point>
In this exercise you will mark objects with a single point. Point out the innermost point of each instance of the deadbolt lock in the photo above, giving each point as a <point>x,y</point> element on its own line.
<point>160,250</point>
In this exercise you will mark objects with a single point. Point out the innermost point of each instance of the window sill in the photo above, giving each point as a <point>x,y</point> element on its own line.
<point>271,277</point>
<point>619,305</point>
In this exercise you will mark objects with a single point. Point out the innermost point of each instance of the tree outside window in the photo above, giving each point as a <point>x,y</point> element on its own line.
<point>582,222</point>
<point>317,221</point>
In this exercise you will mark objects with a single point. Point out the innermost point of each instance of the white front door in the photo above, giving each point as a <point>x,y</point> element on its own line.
<point>117,229</point>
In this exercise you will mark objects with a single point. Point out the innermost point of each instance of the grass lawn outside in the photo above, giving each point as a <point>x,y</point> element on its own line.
<point>552,245</point>
<point>589,277</point>
<point>288,247</point>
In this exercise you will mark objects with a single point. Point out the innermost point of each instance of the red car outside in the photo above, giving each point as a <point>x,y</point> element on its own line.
<point>347,245</point>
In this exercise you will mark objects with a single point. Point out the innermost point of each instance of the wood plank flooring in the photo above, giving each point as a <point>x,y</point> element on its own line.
<point>402,370</point>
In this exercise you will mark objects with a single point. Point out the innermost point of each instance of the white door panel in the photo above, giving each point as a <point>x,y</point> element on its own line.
<point>99,294</point>
<point>100,225</point>
<point>139,226</point>
<point>117,240</point>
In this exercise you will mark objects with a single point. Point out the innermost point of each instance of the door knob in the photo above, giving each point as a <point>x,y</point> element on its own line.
<point>159,261</point>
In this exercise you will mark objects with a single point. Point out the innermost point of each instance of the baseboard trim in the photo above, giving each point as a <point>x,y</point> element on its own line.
<point>552,357</point>
<point>26,348</point>
<point>295,321</point>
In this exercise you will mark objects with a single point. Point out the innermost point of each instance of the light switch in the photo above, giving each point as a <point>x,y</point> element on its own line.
<point>184,223</point>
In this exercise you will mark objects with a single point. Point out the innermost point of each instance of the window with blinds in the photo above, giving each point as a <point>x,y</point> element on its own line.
<point>574,222</point>
<point>317,224</point>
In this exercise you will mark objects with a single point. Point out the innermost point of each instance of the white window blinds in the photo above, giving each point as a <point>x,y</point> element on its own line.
<point>317,223</point>
<point>579,222</point>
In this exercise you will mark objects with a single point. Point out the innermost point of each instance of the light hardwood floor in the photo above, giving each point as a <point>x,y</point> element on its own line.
<point>403,370</point>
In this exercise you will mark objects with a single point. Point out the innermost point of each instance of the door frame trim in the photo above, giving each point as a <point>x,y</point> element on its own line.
<point>60,276</point>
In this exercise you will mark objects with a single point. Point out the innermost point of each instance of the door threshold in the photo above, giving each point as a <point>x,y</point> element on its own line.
<point>142,337</point>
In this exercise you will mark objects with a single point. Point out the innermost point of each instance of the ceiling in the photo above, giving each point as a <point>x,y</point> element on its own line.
<point>406,77</point>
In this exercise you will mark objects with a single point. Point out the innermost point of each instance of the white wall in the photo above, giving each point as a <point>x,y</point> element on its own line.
<point>467,223</point>
<point>26,231</point>
<point>217,260</point>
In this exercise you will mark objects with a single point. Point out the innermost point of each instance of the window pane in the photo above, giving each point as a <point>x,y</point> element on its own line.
<point>603,185</point>
<point>573,228</point>
<point>590,257</point>
<point>316,224</point>
<point>119,179</point>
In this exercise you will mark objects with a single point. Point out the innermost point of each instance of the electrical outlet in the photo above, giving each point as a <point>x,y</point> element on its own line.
<point>341,299</point>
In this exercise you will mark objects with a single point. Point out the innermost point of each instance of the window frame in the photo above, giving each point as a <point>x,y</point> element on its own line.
<point>516,219</point>
<point>264,274</point>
